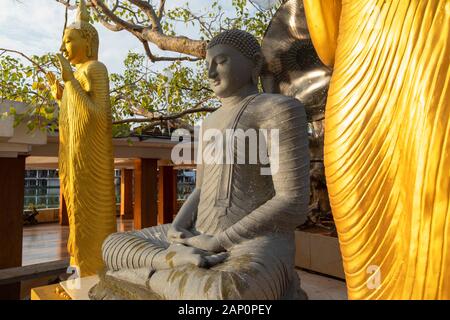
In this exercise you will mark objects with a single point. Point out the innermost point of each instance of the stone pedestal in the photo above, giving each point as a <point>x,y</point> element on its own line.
<point>319,253</point>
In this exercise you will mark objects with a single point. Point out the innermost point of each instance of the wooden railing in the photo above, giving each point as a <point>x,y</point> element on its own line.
<point>14,275</point>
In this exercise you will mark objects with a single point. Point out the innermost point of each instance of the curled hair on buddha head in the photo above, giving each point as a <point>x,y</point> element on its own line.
<point>86,30</point>
<point>241,40</point>
<point>245,43</point>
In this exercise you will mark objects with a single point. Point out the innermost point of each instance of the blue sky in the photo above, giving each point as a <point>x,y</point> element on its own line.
<point>35,27</point>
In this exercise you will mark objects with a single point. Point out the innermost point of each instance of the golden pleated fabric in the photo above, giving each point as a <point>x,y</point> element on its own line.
<point>322,18</point>
<point>86,165</point>
<point>387,147</point>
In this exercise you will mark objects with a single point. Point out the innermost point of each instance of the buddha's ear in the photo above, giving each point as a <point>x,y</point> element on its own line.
<point>89,49</point>
<point>258,61</point>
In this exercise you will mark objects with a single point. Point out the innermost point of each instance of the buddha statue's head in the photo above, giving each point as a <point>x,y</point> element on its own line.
<point>234,61</point>
<point>80,41</point>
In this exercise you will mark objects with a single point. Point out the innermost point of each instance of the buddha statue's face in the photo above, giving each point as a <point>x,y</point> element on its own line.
<point>75,47</point>
<point>228,70</point>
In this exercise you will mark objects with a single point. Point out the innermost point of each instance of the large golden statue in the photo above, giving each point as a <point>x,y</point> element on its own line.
<point>86,165</point>
<point>387,142</point>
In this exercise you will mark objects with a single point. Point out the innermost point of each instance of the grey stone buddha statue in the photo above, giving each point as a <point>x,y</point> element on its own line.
<point>234,236</point>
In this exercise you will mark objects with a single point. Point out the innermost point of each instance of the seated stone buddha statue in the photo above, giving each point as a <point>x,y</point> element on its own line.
<point>234,236</point>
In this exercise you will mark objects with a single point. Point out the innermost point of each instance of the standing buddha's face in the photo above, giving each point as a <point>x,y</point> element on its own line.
<point>228,70</point>
<point>75,47</point>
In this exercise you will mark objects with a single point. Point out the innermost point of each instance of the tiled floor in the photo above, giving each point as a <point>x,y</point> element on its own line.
<point>48,242</point>
<point>319,287</point>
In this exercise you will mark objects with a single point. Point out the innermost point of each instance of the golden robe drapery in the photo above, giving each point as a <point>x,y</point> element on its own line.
<point>86,164</point>
<point>387,144</point>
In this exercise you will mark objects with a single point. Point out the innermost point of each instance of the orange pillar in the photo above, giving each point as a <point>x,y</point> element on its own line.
<point>167,194</point>
<point>145,193</point>
<point>63,217</point>
<point>12,177</point>
<point>126,194</point>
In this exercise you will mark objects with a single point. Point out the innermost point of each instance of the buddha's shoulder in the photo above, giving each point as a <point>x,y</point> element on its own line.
<point>275,102</point>
<point>96,67</point>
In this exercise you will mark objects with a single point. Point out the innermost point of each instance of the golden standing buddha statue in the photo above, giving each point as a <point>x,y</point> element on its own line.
<point>86,165</point>
<point>387,142</point>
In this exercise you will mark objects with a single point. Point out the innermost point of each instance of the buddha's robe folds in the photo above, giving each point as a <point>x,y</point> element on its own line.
<point>253,215</point>
<point>387,144</point>
<point>86,165</point>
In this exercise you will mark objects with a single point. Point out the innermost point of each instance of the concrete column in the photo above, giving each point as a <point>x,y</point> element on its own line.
<point>126,194</point>
<point>145,193</point>
<point>12,177</point>
<point>167,194</point>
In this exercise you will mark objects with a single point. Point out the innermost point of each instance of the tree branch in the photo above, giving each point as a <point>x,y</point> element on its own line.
<point>161,9</point>
<point>149,12</point>
<point>180,44</point>
<point>69,6</point>
<point>197,90</point>
<point>153,33</point>
<point>154,58</point>
<point>106,24</point>
<point>165,118</point>
<point>26,57</point>
<point>99,4</point>
<point>127,85</point>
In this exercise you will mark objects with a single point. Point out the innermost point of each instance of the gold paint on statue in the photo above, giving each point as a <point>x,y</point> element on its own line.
<point>387,143</point>
<point>86,165</point>
<point>324,27</point>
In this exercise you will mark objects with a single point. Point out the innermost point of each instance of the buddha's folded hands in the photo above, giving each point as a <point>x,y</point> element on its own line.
<point>203,242</point>
<point>178,255</point>
<point>176,233</point>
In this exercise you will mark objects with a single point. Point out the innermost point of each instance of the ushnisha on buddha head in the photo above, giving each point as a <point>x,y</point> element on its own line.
<point>234,62</point>
<point>80,42</point>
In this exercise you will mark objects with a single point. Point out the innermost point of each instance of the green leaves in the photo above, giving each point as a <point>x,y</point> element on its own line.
<point>214,18</point>
<point>142,92</point>
<point>26,83</point>
<point>142,89</point>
